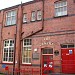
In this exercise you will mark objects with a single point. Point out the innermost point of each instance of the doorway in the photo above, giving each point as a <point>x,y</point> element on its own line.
<point>47,61</point>
<point>68,58</point>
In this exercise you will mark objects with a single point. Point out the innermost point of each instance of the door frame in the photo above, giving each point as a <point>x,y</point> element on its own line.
<point>42,59</point>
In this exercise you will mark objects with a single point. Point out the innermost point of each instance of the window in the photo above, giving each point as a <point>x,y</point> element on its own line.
<point>33,16</point>
<point>11,18</point>
<point>24,18</point>
<point>8,51</point>
<point>48,51</point>
<point>61,8</point>
<point>67,45</point>
<point>39,15</point>
<point>26,53</point>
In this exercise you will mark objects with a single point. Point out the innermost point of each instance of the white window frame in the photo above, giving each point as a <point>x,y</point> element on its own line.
<point>60,8</point>
<point>11,21</point>
<point>7,47</point>
<point>33,16</point>
<point>24,17</point>
<point>39,15</point>
<point>26,46</point>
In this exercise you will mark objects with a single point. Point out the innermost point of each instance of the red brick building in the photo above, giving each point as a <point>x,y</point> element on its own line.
<point>38,37</point>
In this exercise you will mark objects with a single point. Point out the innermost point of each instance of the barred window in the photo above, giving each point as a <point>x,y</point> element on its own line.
<point>61,8</point>
<point>26,53</point>
<point>8,51</point>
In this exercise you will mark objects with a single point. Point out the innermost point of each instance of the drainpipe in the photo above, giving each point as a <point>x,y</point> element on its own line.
<point>43,16</point>
<point>14,53</point>
<point>42,29</point>
<point>20,35</point>
<point>15,38</point>
<point>1,45</point>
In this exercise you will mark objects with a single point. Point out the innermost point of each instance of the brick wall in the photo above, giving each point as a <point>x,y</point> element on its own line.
<point>57,30</point>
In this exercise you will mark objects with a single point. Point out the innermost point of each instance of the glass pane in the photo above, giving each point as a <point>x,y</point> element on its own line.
<point>10,59</point>
<point>50,71</point>
<point>6,43</point>
<point>45,71</point>
<point>13,13</point>
<point>63,46</point>
<point>50,57</point>
<point>25,18</point>
<point>29,48</point>
<point>9,22</point>
<point>45,64</point>
<point>64,2</point>
<point>45,57</point>
<point>27,42</point>
<point>11,42</point>
<point>65,8</point>
<point>23,59</point>
<point>29,60</point>
<point>26,60</point>
<point>39,15</point>
<point>9,54</point>
<point>8,18</point>
<point>71,46</point>
<point>5,59</point>
<point>5,50</point>
<point>33,16</point>
<point>29,53</point>
<point>50,51</point>
<point>13,20</point>
<point>6,55</point>
<point>8,14</point>
<point>44,51</point>
<point>59,4</point>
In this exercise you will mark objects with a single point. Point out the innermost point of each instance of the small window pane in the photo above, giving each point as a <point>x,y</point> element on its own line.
<point>33,17</point>
<point>44,51</point>
<point>11,43</point>
<point>48,51</point>
<point>25,18</point>
<point>63,46</point>
<point>39,15</point>
<point>13,13</point>
<point>70,46</point>
<point>8,14</point>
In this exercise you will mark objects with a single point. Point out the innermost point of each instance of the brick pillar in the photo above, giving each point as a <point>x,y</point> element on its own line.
<point>1,37</point>
<point>18,38</point>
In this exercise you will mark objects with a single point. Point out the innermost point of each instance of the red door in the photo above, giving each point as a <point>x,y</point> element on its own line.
<point>68,60</point>
<point>47,64</point>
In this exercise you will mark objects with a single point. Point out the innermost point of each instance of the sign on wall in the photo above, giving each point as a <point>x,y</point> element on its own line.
<point>35,56</point>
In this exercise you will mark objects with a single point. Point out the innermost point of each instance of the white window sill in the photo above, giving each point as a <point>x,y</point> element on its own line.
<point>7,62</point>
